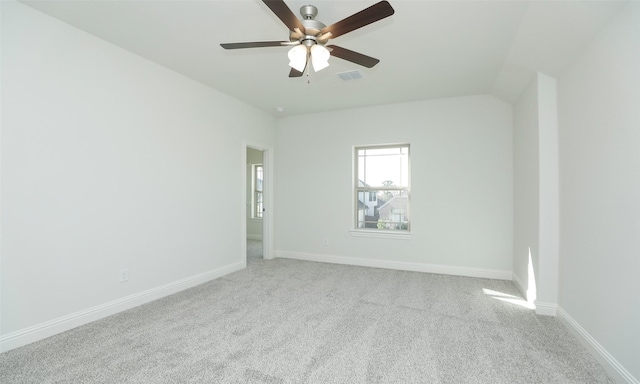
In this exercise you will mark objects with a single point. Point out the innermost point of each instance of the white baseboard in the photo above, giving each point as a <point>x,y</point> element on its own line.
<point>49,328</point>
<point>399,265</point>
<point>546,309</point>
<point>612,366</point>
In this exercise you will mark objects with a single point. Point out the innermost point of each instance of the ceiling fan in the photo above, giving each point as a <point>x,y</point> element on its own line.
<point>309,37</point>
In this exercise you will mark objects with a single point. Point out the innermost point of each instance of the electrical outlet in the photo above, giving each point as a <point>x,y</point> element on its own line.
<point>124,275</point>
<point>325,242</point>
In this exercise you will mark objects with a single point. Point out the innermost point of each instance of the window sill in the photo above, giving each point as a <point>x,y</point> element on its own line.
<point>381,234</point>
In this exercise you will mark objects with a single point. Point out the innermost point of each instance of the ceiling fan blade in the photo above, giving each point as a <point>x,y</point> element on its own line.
<point>255,44</point>
<point>354,57</point>
<point>284,13</point>
<point>295,73</point>
<point>358,20</point>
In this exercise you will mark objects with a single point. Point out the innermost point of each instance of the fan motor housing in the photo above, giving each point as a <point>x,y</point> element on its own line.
<point>312,27</point>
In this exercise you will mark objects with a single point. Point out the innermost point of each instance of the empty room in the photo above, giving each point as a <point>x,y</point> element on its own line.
<point>268,191</point>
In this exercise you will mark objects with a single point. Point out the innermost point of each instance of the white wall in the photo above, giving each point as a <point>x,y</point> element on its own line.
<point>526,188</point>
<point>110,161</point>
<point>462,185</point>
<point>599,141</point>
<point>536,195</point>
<point>549,222</point>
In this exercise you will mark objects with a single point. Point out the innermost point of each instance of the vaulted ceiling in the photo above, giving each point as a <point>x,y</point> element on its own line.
<point>427,49</point>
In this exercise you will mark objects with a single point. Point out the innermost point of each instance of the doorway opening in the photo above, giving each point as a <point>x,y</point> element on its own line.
<point>257,204</point>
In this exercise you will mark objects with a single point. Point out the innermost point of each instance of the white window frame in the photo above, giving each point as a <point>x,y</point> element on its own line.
<point>256,210</point>
<point>371,232</point>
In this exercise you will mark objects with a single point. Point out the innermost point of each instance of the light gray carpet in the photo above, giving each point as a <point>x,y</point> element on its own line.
<point>254,250</point>
<point>289,321</point>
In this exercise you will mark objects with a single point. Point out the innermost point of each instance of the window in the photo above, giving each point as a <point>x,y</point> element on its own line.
<point>382,187</point>
<point>257,191</point>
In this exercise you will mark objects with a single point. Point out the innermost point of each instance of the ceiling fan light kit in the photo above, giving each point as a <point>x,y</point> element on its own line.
<point>298,57</point>
<point>319,57</point>
<point>309,36</point>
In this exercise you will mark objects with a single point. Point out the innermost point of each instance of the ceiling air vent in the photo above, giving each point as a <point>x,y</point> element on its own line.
<point>350,75</point>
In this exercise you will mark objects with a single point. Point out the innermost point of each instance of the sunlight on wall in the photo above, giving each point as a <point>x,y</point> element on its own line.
<point>508,298</point>
<point>531,294</point>
<point>531,282</point>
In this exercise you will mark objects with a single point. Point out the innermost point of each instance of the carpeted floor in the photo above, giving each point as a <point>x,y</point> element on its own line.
<point>289,321</point>
<point>254,250</point>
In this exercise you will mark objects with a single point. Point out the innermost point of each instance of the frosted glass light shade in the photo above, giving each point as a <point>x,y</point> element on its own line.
<point>298,57</point>
<point>319,57</point>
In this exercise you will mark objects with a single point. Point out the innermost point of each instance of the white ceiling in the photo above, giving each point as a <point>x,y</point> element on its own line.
<point>428,49</point>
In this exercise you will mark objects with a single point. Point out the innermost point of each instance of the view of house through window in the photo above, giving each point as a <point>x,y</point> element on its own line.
<point>257,190</point>
<point>382,187</point>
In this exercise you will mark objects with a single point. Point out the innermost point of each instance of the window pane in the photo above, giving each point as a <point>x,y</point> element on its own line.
<point>383,151</point>
<point>258,177</point>
<point>258,171</point>
<point>394,210</point>
<point>382,188</point>
<point>258,205</point>
<point>361,181</point>
<point>381,167</point>
<point>390,211</point>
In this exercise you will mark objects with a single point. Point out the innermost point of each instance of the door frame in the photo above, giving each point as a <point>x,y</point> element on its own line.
<point>267,217</point>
